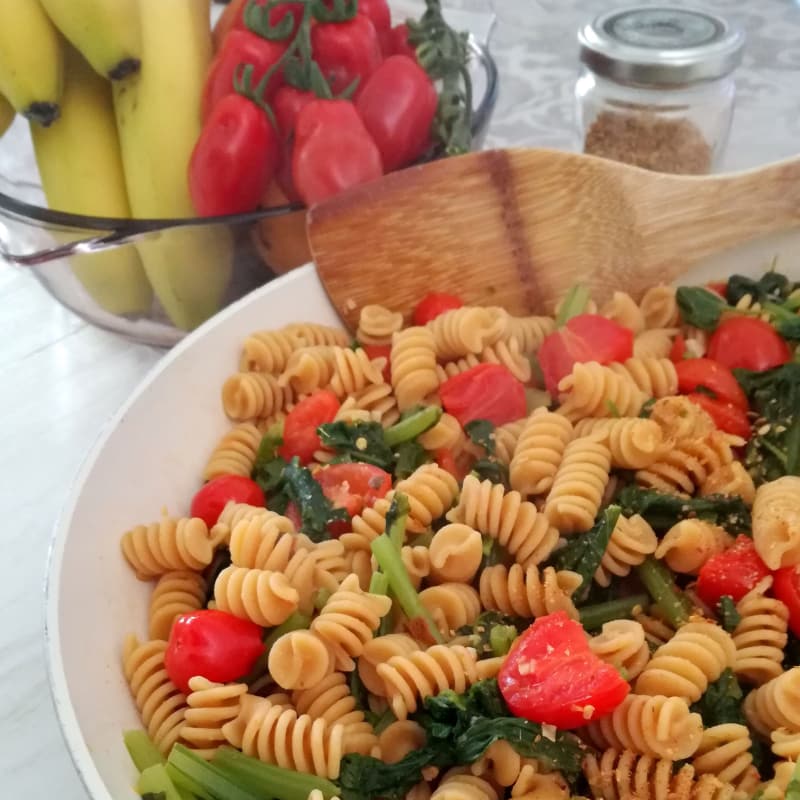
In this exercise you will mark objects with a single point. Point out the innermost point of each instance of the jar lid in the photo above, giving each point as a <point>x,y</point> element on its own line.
<point>660,45</point>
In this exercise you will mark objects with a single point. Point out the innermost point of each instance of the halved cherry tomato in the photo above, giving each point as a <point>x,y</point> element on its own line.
<point>551,676</point>
<point>234,159</point>
<point>694,373</point>
<point>587,337</point>
<point>346,51</point>
<point>397,43</point>
<point>786,587</point>
<point>749,343</point>
<point>678,350</point>
<point>351,487</point>
<point>718,287</point>
<point>211,499</point>
<point>434,304</point>
<point>213,644</point>
<point>300,436</point>
<point>381,351</point>
<point>733,572</point>
<point>727,417</point>
<point>397,104</point>
<point>487,391</point>
<point>445,459</point>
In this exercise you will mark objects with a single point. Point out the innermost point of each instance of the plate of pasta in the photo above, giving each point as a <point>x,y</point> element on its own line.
<point>452,554</point>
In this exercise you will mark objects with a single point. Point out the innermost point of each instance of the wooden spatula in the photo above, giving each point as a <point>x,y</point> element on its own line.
<point>519,227</point>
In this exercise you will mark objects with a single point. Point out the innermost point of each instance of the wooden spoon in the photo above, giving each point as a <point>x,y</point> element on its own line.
<point>519,227</point>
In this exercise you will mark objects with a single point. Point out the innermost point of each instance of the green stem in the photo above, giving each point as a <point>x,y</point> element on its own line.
<point>593,617</point>
<point>141,749</point>
<point>660,584</point>
<point>378,584</point>
<point>501,637</point>
<point>574,303</point>
<point>412,426</point>
<point>213,782</point>
<point>155,780</point>
<point>396,519</point>
<point>388,558</point>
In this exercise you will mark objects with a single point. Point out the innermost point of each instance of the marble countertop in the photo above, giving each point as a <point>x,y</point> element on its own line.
<point>60,379</point>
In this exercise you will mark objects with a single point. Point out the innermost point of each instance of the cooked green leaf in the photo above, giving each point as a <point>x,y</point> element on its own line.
<point>316,511</point>
<point>729,617</point>
<point>408,457</point>
<point>495,471</point>
<point>481,432</point>
<point>361,441</point>
<point>721,703</point>
<point>367,778</point>
<point>700,307</point>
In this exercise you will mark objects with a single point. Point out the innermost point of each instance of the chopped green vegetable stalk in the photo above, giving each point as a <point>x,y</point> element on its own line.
<point>700,307</point>
<point>269,780</point>
<point>594,617</point>
<point>321,596</point>
<point>573,304</point>
<point>155,782</point>
<point>141,749</point>
<point>378,584</point>
<point>396,519</point>
<point>213,783</point>
<point>659,582</point>
<point>412,426</point>
<point>728,614</point>
<point>501,637</point>
<point>295,622</point>
<point>387,554</point>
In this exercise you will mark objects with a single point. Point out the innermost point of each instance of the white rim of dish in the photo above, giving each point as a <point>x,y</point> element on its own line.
<point>57,682</point>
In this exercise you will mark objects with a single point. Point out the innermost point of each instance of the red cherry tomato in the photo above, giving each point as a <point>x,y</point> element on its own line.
<point>286,105</point>
<point>332,150</point>
<point>379,14</point>
<point>445,459</point>
<point>351,487</point>
<point>587,337</point>
<point>434,304</point>
<point>300,426</point>
<point>213,644</point>
<point>234,159</point>
<point>551,676</point>
<point>397,43</point>
<point>733,572</point>
<point>241,47</point>
<point>398,104</point>
<point>346,51</point>
<point>678,350</point>
<point>718,287</point>
<point>487,391</point>
<point>749,343</point>
<point>211,499</point>
<point>786,587</point>
<point>727,417</point>
<point>381,351</point>
<point>706,373</point>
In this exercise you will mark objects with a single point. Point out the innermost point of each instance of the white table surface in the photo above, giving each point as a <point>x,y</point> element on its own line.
<point>61,379</point>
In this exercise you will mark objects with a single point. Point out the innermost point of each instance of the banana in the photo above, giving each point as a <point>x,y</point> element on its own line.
<point>81,170</point>
<point>106,32</point>
<point>158,118</point>
<point>31,60</point>
<point>7,115</point>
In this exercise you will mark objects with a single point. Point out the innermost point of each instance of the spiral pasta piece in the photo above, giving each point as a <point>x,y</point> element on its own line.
<point>417,561</point>
<point>176,593</point>
<point>730,479</point>
<point>622,308</point>
<point>377,324</point>
<point>413,362</point>
<point>446,434</point>
<point>253,395</point>
<point>399,739</point>
<point>263,541</point>
<point>785,744</point>
<point>161,706</point>
<point>657,630</point>
<point>515,523</point>
<point>656,377</point>
<point>776,704</point>
<point>539,451</point>
<point>724,752</point>
<point>379,650</point>
<point>431,491</point>
<point>455,553</point>
<point>313,334</point>
<point>233,513</point>
<point>530,332</point>
<point>657,726</point>
<point>654,343</point>
<point>299,660</point>
<point>268,351</point>
<point>507,352</point>
<point>210,706</point>
<point>458,785</point>
<point>680,418</point>
<point>466,330</point>
<point>776,522</point>
<point>592,390</point>
<point>308,369</point>
<point>622,642</point>
<point>534,784</point>
<point>262,596</point>
<point>520,592</point>
<point>167,545</point>
<point>234,453</point>
<point>761,635</point>
<point>287,739</point>
<point>506,438</point>
<point>683,667</point>
<point>500,764</point>
<point>354,371</point>
<point>634,443</point>
<point>348,621</point>
<point>408,679</point>
<point>660,307</point>
<point>631,541</point>
<point>451,605</point>
<point>375,403</point>
<point>688,544</point>
<point>580,481</point>
<point>367,526</point>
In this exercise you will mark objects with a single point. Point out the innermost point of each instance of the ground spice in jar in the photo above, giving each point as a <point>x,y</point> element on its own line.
<point>649,141</point>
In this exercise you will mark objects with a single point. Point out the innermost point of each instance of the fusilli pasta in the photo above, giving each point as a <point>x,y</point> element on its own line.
<point>456,551</point>
<point>592,390</point>
<point>210,706</point>
<point>688,544</point>
<point>413,360</point>
<point>622,643</point>
<point>528,592</point>
<point>235,453</point>
<point>631,541</point>
<point>376,325</point>
<point>168,545</point>
<point>175,593</point>
<point>539,452</point>
<point>299,660</point>
<point>776,522</point>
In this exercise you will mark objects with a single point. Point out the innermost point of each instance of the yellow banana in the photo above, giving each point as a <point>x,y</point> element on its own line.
<point>7,115</point>
<point>158,118</point>
<point>30,60</point>
<point>81,170</point>
<point>106,32</point>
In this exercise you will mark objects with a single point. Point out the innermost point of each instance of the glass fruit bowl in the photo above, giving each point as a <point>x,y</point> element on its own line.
<point>206,263</point>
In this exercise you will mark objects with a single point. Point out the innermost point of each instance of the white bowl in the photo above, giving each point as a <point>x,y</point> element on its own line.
<point>150,455</point>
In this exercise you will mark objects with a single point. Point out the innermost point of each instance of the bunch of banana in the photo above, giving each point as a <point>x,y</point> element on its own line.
<point>31,60</point>
<point>81,170</point>
<point>106,32</point>
<point>7,115</point>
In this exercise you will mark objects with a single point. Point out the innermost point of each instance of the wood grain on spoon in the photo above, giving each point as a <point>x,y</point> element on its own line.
<point>519,227</point>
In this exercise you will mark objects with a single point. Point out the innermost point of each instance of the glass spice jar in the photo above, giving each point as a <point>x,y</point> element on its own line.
<point>656,87</point>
